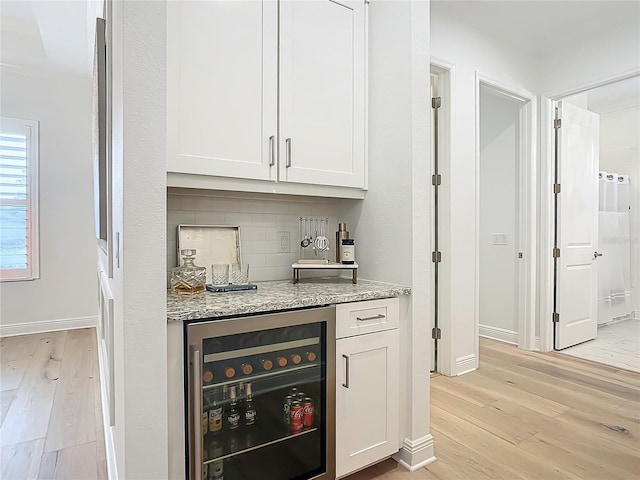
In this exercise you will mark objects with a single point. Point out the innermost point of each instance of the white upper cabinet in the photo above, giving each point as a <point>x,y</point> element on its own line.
<point>222,88</point>
<point>243,115</point>
<point>322,92</point>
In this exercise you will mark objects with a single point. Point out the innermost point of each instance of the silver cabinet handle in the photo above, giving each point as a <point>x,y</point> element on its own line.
<point>375,317</point>
<point>346,373</point>
<point>197,413</point>
<point>288,145</point>
<point>596,255</point>
<point>272,153</point>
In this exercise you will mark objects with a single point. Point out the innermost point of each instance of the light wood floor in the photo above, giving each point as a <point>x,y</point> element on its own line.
<point>522,415</point>
<point>527,415</point>
<point>50,412</point>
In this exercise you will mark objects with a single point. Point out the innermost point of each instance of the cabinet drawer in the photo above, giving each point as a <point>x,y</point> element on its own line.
<point>366,317</point>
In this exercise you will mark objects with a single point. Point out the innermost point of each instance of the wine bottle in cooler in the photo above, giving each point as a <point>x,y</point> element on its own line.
<point>249,410</point>
<point>233,414</point>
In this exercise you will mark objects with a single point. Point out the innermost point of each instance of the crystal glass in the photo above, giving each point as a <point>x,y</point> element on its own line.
<point>239,274</point>
<point>188,278</point>
<point>220,274</point>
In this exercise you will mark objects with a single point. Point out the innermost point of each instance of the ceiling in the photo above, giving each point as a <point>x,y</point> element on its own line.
<point>48,34</point>
<point>615,96</point>
<point>537,28</point>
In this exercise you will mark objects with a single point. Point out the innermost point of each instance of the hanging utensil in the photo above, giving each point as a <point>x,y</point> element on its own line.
<point>321,242</point>
<point>306,241</point>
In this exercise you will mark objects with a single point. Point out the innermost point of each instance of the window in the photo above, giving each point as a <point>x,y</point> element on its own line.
<point>18,199</point>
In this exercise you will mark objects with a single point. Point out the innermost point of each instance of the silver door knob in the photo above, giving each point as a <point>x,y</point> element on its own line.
<point>596,255</point>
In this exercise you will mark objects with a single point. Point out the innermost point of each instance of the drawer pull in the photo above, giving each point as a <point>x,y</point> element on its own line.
<point>346,373</point>
<point>375,317</point>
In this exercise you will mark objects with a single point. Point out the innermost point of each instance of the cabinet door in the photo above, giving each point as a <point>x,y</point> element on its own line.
<point>222,88</point>
<point>322,92</point>
<point>367,400</point>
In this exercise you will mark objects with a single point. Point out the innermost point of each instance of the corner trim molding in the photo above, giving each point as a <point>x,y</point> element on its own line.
<point>466,364</point>
<point>110,448</point>
<point>499,334</point>
<point>27,328</point>
<point>416,454</point>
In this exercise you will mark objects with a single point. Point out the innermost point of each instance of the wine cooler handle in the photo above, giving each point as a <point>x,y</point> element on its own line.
<point>197,412</point>
<point>346,373</point>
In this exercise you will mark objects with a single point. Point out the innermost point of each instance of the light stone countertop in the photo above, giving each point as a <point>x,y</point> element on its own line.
<point>278,295</point>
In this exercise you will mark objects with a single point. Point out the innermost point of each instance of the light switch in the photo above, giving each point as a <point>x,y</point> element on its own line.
<point>500,239</point>
<point>284,238</point>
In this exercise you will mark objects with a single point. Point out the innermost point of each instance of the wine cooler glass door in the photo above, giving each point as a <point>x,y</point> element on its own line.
<point>261,397</point>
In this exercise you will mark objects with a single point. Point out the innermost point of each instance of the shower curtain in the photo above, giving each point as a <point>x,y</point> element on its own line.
<point>614,274</point>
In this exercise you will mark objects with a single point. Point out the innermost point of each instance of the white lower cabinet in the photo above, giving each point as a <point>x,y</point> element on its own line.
<point>367,398</point>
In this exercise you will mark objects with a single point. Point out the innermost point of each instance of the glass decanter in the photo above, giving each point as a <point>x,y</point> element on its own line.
<point>188,278</point>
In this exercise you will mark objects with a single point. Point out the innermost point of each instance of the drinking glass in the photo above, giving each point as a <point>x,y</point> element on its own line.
<point>239,274</point>
<point>220,274</point>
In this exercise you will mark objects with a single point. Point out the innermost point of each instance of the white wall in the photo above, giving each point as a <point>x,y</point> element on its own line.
<point>499,156</point>
<point>469,51</point>
<point>392,225</point>
<point>139,217</point>
<point>65,295</point>
<point>620,153</point>
<point>260,217</point>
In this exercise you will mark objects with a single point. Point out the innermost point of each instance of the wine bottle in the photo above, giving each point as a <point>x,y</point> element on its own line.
<point>311,356</point>
<point>282,361</point>
<point>207,376</point>
<point>266,363</point>
<point>246,368</point>
<point>233,414</point>
<point>229,371</point>
<point>215,414</point>
<point>295,358</point>
<point>249,410</point>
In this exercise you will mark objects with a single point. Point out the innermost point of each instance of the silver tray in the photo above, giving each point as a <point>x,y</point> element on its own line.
<point>213,244</point>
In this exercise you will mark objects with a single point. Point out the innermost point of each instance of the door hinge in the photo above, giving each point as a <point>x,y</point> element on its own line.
<point>367,2</point>
<point>436,179</point>
<point>556,188</point>
<point>519,254</point>
<point>436,257</point>
<point>436,102</point>
<point>556,252</point>
<point>556,317</point>
<point>557,123</point>
<point>436,333</point>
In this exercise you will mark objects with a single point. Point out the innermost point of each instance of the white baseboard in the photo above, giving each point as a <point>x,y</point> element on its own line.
<point>416,454</point>
<point>466,364</point>
<point>499,334</point>
<point>110,448</point>
<point>8,330</point>
<point>636,314</point>
<point>538,343</point>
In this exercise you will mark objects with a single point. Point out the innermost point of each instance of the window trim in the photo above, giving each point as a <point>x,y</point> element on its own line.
<point>31,129</point>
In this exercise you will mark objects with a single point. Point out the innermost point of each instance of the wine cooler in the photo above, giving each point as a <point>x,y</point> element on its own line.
<point>261,397</point>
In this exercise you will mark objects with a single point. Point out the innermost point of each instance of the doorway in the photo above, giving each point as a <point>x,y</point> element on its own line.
<point>505,213</point>
<point>613,318</point>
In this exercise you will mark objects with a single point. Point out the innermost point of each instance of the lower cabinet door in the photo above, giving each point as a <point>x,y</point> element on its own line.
<point>367,400</point>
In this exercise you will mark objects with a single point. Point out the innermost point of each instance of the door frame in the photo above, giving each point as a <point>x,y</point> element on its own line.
<point>546,286</point>
<point>527,213</point>
<point>446,73</point>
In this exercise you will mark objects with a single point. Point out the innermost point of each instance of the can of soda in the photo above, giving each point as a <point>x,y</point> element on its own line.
<point>286,409</point>
<point>293,391</point>
<point>297,415</point>
<point>308,411</point>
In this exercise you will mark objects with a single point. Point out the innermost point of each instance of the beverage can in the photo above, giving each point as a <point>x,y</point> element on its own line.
<point>308,411</point>
<point>293,391</point>
<point>296,416</point>
<point>286,409</point>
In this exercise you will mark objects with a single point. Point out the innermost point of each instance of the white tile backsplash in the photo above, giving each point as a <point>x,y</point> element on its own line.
<point>260,218</point>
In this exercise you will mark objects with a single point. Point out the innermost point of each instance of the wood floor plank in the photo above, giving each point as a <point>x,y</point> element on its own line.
<point>28,416</point>
<point>73,463</point>
<point>560,390</point>
<point>22,460</point>
<point>6,397</point>
<point>459,388</point>
<point>496,449</point>
<point>503,425</point>
<point>73,419</point>
<point>15,356</point>
<point>457,462</point>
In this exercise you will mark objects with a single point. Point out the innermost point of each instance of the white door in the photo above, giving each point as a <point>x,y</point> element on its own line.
<point>367,399</point>
<point>577,226</point>
<point>322,92</point>
<point>222,72</point>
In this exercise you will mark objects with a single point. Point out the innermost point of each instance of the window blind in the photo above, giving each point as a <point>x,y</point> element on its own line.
<point>13,201</point>
<point>18,251</point>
